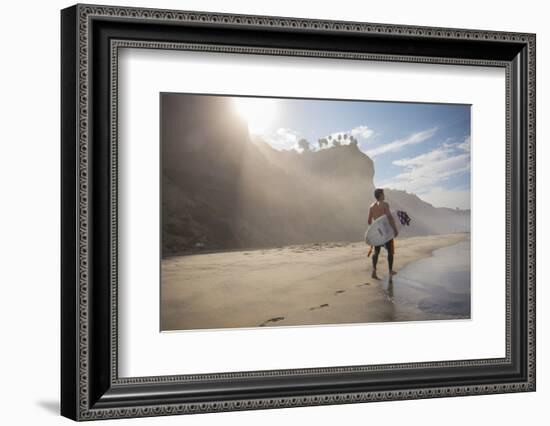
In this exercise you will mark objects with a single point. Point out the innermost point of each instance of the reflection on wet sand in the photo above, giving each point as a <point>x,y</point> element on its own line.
<point>437,287</point>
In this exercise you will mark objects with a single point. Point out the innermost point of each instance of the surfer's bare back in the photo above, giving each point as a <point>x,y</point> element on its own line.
<point>377,209</point>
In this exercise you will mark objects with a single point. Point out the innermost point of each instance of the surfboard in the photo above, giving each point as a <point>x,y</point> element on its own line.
<point>380,231</point>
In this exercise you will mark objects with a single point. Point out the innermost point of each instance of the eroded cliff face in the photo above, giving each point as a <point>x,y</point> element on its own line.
<point>223,190</point>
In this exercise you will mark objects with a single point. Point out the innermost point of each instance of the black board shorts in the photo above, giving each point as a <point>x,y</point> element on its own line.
<point>388,246</point>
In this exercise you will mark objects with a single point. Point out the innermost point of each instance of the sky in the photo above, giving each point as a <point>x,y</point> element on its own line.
<point>421,148</point>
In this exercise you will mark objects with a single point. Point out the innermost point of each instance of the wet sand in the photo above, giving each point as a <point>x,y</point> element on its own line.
<point>326,283</point>
<point>435,287</point>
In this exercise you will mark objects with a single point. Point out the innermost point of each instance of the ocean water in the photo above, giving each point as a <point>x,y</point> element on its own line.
<point>437,287</point>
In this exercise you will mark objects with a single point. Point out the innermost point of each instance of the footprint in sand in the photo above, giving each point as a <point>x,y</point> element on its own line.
<point>363,285</point>
<point>337,292</point>
<point>275,319</point>
<point>324,305</point>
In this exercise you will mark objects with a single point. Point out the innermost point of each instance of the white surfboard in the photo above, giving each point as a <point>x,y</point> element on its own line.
<point>380,231</point>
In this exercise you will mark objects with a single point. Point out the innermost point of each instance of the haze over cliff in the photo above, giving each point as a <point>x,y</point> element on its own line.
<point>223,189</point>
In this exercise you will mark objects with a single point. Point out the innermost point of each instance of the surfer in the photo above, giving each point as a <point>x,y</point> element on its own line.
<point>377,209</point>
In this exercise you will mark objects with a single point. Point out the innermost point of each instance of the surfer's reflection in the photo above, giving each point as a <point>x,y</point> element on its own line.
<point>390,288</point>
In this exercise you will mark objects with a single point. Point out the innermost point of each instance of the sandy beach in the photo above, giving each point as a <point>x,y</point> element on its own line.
<point>326,283</point>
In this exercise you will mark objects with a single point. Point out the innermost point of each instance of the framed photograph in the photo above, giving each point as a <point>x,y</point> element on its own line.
<point>263,212</point>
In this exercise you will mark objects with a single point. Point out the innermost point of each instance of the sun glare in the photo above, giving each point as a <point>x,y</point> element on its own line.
<point>259,113</point>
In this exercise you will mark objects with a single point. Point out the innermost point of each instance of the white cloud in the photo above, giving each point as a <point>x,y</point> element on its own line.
<point>361,133</point>
<point>286,139</point>
<point>465,146</point>
<point>283,139</point>
<point>399,144</point>
<point>426,173</point>
<point>448,143</point>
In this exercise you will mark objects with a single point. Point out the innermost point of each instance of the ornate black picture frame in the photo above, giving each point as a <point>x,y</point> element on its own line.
<point>90,385</point>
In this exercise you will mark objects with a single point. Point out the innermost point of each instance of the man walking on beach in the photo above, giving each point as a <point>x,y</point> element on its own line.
<point>377,209</point>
